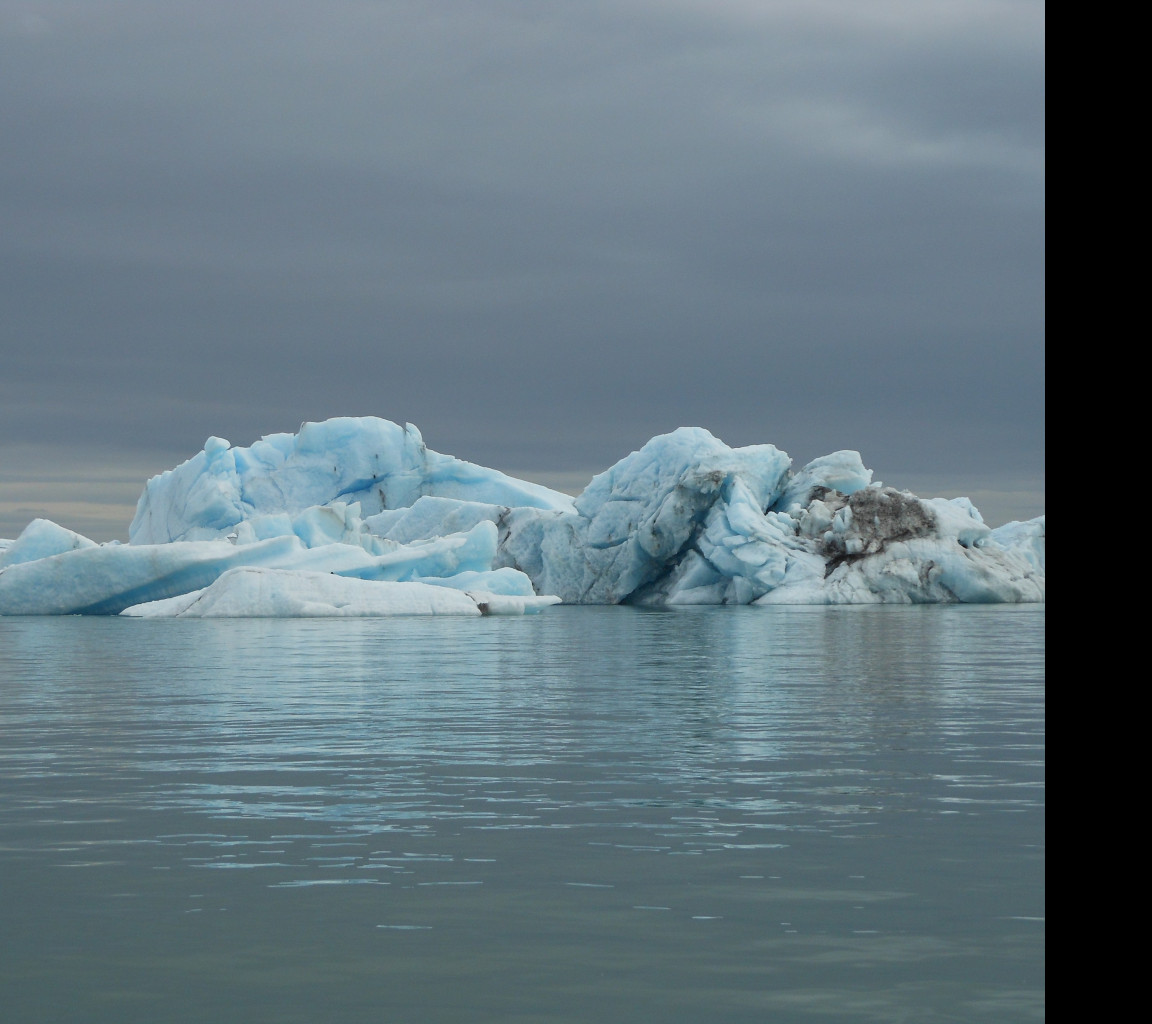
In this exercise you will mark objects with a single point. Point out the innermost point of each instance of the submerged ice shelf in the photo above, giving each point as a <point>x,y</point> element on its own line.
<point>356,516</point>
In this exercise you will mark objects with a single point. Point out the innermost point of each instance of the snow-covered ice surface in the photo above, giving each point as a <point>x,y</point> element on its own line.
<point>328,521</point>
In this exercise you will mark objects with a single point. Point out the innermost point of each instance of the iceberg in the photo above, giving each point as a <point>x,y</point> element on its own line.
<point>688,520</point>
<point>371,462</point>
<point>107,579</point>
<point>334,519</point>
<point>254,592</point>
<point>40,539</point>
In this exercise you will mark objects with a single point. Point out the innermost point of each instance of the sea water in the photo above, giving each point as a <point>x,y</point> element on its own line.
<point>592,814</point>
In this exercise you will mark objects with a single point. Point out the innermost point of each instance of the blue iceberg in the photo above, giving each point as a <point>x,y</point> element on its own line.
<point>356,516</point>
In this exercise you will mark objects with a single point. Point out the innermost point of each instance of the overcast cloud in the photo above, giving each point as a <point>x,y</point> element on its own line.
<point>543,232</point>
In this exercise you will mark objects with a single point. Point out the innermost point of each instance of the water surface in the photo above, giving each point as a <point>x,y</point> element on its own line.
<point>593,814</point>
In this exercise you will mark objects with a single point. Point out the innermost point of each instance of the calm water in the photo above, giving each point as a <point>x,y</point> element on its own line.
<point>594,814</point>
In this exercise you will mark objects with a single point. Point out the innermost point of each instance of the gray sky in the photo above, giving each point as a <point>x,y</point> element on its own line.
<point>541,231</point>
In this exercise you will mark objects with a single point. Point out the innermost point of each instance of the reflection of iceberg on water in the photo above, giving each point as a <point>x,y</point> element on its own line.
<point>358,517</point>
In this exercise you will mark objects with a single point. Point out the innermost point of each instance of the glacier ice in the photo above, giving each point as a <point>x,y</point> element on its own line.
<point>371,462</point>
<point>255,592</point>
<point>330,520</point>
<point>39,539</point>
<point>106,579</point>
